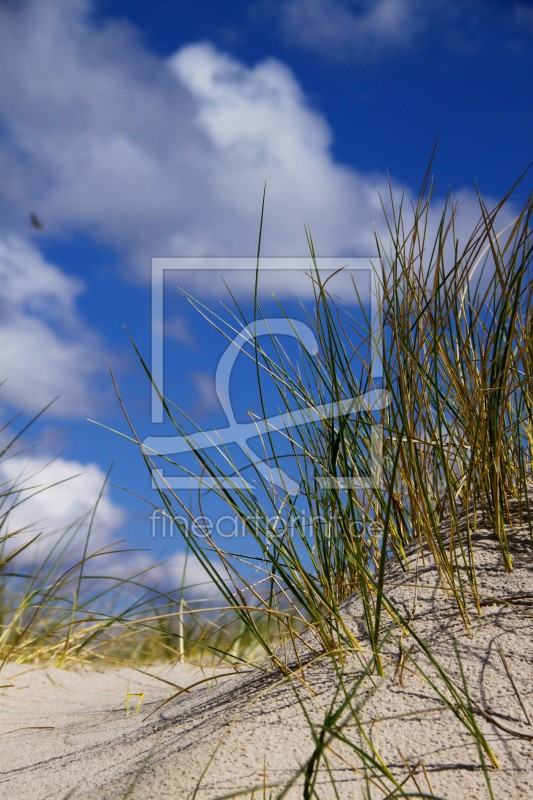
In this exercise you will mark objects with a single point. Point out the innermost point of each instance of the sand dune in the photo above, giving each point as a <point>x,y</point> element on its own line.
<point>68,734</point>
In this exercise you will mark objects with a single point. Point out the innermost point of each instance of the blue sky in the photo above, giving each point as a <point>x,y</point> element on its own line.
<point>135,130</point>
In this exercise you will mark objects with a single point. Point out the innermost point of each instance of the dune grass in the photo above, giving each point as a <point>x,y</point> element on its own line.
<point>67,610</point>
<point>456,433</point>
<point>455,441</point>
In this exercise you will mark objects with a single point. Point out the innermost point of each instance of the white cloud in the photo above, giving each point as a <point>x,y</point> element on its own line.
<point>366,30</point>
<point>257,124</point>
<point>185,570</point>
<point>50,496</point>
<point>154,156</point>
<point>27,280</point>
<point>171,574</point>
<point>357,30</point>
<point>45,350</point>
<point>206,395</point>
<point>169,156</point>
<point>176,328</point>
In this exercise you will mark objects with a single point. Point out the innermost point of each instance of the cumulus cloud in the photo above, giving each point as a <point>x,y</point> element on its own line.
<point>179,571</point>
<point>170,156</point>
<point>45,349</point>
<point>160,157</point>
<point>155,156</point>
<point>184,569</point>
<point>50,495</point>
<point>53,500</point>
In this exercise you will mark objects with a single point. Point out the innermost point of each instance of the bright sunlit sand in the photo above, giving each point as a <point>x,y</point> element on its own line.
<point>388,652</point>
<point>266,400</point>
<point>110,733</point>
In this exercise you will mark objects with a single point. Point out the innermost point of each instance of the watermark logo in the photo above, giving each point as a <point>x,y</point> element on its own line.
<point>233,526</point>
<point>242,434</point>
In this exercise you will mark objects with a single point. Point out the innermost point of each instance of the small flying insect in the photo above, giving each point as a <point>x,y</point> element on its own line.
<point>36,222</point>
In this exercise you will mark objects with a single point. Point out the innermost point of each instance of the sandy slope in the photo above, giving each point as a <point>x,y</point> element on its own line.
<point>68,732</point>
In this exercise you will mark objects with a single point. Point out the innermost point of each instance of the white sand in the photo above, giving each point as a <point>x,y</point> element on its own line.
<point>67,732</point>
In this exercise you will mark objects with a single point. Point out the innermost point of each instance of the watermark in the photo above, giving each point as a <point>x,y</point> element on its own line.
<point>299,525</point>
<point>241,434</point>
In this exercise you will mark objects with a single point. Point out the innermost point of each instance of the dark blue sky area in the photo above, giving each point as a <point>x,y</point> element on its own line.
<point>465,82</point>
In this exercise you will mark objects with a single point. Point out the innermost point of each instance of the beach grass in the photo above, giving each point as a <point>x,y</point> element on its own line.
<point>64,610</point>
<point>456,432</point>
<point>454,451</point>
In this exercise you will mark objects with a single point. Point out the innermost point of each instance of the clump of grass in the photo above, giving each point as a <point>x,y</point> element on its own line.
<point>56,609</point>
<point>453,409</point>
<point>456,431</point>
<point>455,442</point>
<point>455,447</point>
